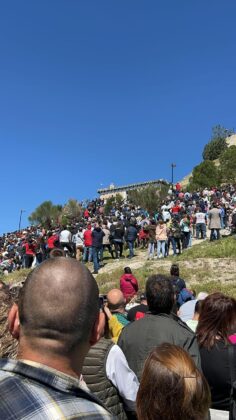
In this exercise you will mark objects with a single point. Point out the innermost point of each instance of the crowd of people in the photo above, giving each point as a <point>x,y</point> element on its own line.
<point>169,230</point>
<point>163,353</point>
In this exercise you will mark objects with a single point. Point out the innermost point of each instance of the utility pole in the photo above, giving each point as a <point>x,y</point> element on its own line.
<point>20,218</point>
<point>173,165</point>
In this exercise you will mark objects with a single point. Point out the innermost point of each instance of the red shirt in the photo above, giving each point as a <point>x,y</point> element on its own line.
<point>86,214</point>
<point>175,209</point>
<point>51,241</point>
<point>29,249</point>
<point>178,186</point>
<point>88,238</point>
<point>142,234</point>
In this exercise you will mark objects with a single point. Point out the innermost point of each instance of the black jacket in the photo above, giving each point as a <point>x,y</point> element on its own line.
<point>138,338</point>
<point>97,237</point>
<point>131,233</point>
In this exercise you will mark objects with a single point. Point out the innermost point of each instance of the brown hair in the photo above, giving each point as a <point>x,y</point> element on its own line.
<point>217,319</point>
<point>171,387</point>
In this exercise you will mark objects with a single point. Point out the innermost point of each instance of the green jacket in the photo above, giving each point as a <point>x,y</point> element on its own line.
<point>139,338</point>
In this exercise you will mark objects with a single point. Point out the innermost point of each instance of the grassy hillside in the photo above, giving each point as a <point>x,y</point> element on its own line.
<point>208,266</point>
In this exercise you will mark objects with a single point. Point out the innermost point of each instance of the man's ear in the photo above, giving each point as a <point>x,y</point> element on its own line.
<point>14,321</point>
<point>98,329</point>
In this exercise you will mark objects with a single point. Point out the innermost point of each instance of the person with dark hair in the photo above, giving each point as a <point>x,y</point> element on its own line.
<point>97,238</point>
<point>65,239</point>
<point>56,320</point>
<point>159,325</point>
<point>87,255</point>
<point>131,236</point>
<point>177,282</point>
<point>138,311</point>
<point>172,387</point>
<point>117,238</point>
<point>52,241</point>
<point>201,222</point>
<point>185,230</point>
<point>151,229</point>
<point>161,238</point>
<point>128,284</point>
<point>29,248</point>
<point>216,335</point>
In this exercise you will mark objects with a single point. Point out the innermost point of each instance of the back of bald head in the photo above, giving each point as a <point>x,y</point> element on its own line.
<point>59,301</point>
<point>115,299</point>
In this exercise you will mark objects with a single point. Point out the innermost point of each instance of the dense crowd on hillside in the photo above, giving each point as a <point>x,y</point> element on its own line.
<point>170,229</point>
<point>160,353</point>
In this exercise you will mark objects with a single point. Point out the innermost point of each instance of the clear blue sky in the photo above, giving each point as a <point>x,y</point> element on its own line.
<point>100,91</point>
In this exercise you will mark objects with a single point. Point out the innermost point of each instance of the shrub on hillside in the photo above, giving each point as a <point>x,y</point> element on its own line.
<point>217,145</point>
<point>228,165</point>
<point>204,175</point>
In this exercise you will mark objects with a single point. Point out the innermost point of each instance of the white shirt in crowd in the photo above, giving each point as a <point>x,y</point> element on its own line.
<point>200,217</point>
<point>65,236</point>
<point>122,377</point>
<point>78,239</point>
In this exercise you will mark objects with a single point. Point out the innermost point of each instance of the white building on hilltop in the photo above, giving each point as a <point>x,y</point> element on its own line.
<point>112,190</point>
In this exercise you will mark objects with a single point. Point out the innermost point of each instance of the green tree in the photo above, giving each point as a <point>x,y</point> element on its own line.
<point>114,201</point>
<point>72,210</point>
<point>204,175</point>
<point>217,144</point>
<point>148,198</point>
<point>228,165</point>
<point>47,214</point>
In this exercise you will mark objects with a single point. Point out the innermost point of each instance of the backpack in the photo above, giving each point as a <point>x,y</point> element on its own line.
<point>184,296</point>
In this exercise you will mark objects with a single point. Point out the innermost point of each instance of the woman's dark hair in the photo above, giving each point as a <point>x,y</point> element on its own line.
<point>174,270</point>
<point>217,320</point>
<point>127,270</point>
<point>172,387</point>
<point>198,306</point>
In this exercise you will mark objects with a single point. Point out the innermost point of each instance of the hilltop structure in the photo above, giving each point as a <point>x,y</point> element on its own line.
<point>112,190</point>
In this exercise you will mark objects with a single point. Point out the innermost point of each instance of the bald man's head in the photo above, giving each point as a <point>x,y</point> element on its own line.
<point>116,300</point>
<point>59,301</point>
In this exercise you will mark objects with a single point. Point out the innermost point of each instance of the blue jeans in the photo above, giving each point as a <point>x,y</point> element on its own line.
<point>87,255</point>
<point>96,254</point>
<point>161,248</point>
<point>171,240</point>
<point>151,247</point>
<point>131,248</point>
<point>201,228</point>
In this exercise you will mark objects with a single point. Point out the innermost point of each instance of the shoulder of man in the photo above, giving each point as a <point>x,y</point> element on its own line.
<point>42,388</point>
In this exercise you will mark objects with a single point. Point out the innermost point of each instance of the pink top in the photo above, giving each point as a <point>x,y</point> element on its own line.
<point>232,339</point>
